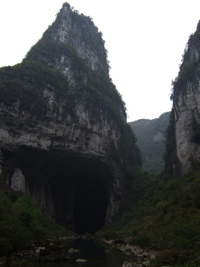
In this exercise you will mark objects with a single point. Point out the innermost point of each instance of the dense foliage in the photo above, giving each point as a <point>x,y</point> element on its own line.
<point>162,212</point>
<point>163,215</point>
<point>171,160</point>
<point>21,223</point>
<point>24,82</point>
<point>101,92</point>
<point>128,149</point>
<point>150,136</point>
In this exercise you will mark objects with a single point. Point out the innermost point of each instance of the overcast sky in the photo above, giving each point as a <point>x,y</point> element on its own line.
<point>145,42</point>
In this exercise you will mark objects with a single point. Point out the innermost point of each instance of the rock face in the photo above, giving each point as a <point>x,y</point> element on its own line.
<point>18,181</point>
<point>186,107</point>
<point>63,126</point>
<point>81,36</point>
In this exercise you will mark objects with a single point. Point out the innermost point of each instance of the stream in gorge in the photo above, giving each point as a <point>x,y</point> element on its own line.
<point>97,255</point>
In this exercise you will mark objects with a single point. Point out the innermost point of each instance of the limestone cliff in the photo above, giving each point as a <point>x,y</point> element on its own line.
<point>186,108</point>
<point>63,132</point>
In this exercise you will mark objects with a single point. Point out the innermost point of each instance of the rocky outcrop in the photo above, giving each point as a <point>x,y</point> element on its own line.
<point>143,257</point>
<point>84,37</point>
<point>62,126</point>
<point>186,103</point>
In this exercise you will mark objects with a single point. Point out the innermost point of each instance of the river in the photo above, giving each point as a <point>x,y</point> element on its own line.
<point>96,254</point>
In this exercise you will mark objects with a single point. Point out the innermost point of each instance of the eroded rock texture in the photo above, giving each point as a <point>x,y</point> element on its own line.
<point>186,107</point>
<point>63,132</point>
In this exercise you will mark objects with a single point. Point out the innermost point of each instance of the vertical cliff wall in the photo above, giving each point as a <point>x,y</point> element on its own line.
<point>186,108</point>
<point>63,132</point>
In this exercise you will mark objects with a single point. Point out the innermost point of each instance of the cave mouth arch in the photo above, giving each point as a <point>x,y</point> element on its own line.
<point>91,199</point>
<point>75,191</point>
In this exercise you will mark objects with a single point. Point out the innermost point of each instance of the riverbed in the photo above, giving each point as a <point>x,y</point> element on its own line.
<point>89,253</point>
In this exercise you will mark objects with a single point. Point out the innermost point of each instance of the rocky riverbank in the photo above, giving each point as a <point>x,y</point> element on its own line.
<point>52,250</point>
<point>143,256</point>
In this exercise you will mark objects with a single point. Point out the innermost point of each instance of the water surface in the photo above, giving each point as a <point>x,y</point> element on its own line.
<point>97,254</point>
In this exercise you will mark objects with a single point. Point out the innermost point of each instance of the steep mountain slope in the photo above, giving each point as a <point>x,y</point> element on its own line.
<point>150,136</point>
<point>63,132</point>
<point>184,133</point>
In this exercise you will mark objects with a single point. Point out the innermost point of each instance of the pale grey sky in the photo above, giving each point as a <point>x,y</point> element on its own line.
<point>145,42</point>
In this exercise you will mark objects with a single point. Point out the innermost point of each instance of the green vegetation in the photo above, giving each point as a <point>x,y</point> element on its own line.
<point>162,214</point>
<point>89,33</point>
<point>128,149</point>
<point>157,211</point>
<point>171,161</point>
<point>101,92</point>
<point>22,89</point>
<point>189,68</point>
<point>151,135</point>
<point>94,86</point>
<point>24,82</point>
<point>21,223</point>
<point>42,69</point>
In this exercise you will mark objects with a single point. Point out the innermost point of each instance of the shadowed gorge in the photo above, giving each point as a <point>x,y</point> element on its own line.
<point>69,161</point>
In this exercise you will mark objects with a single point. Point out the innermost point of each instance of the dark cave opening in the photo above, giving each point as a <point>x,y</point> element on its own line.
<point>197,138</point>
<point>77,198</point>
<point>90,203</point>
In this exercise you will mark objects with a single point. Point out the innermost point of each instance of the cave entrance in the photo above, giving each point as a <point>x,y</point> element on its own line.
<point>91,200</point>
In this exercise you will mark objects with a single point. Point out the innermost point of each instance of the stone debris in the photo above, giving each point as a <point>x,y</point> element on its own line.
<point>146,263</point>
<point>143,256</point>
<point>72,251</point>
<point>81,261</point>
<point>131,264</point>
